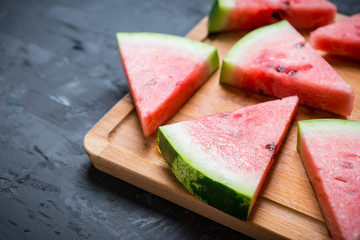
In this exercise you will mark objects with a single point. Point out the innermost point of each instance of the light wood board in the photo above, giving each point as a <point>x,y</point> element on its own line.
<point>287,206</point>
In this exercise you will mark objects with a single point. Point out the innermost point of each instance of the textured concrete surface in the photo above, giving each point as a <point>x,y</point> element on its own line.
<point>59,74</point>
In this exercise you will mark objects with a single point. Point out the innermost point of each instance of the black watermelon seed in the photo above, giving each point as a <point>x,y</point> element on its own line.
<point>276,15</point>
<point>271,147</point>
<point>287,3</point>
<point>292,72</point>
<point>280,69</point>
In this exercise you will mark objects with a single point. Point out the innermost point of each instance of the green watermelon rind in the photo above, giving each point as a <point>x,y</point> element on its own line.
<point>218,15</point>
<point>244,46</point>
<point>185,44</point>
<point>327,124</point>
<point>213,61</point>
<point>200,185</point>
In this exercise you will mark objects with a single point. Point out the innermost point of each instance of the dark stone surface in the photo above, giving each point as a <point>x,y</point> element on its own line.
<point>59,74</point>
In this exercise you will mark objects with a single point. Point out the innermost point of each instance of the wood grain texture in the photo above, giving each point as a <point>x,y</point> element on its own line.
<point>287,206</point>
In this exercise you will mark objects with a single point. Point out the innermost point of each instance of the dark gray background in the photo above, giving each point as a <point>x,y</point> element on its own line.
<point>60,72</point>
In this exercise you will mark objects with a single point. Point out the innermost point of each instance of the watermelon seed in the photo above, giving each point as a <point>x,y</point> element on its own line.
<point>292,72</point>
<point>347,165</point>
<point>287,3</point>
<point>271,147</point>
<point>225,115</point>
<point>300,45</point>
<point>276,15</point>
<point>340,179</point>
<point>280,69</point>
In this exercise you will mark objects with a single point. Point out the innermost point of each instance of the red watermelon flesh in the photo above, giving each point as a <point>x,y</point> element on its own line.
<point>163,72</point>
<point>223,159</point>
<point>341,38</point>
<point>232,15</point>
<point>330,151</point>
<point>275,60</point>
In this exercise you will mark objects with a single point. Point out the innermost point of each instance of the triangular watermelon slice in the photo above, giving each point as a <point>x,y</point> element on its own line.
<point>163,71</point>
<point>234,15</point>
<point>330,151</point>
<point>341,38</point>
<point>223,159</point>
<point>275,60</point>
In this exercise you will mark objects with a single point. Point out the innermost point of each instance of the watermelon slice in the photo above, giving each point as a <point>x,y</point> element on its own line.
<point>223,159</point>
<point>163,72</point>
<point>233,15</point>
<point>330,151</point>
<point>275,60</point>
<point>341,38</point>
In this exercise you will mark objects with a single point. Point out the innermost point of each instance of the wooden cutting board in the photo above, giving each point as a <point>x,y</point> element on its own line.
<point>287,206</point>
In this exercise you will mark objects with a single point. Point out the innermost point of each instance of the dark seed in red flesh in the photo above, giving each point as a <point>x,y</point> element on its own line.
<point>276,16</point>
<point>292,72</point>
<point>280,69</point>
<point>341,179</point>
<point>347,165</point>
<point>271,147</point>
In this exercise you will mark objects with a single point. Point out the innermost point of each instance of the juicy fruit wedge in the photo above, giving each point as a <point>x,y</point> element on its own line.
<point>341,38</point>
<point>233,15</point>
<point>330,151</point>
<point>275,60</point>
<point>163,72</point>
<point>223,159</point>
